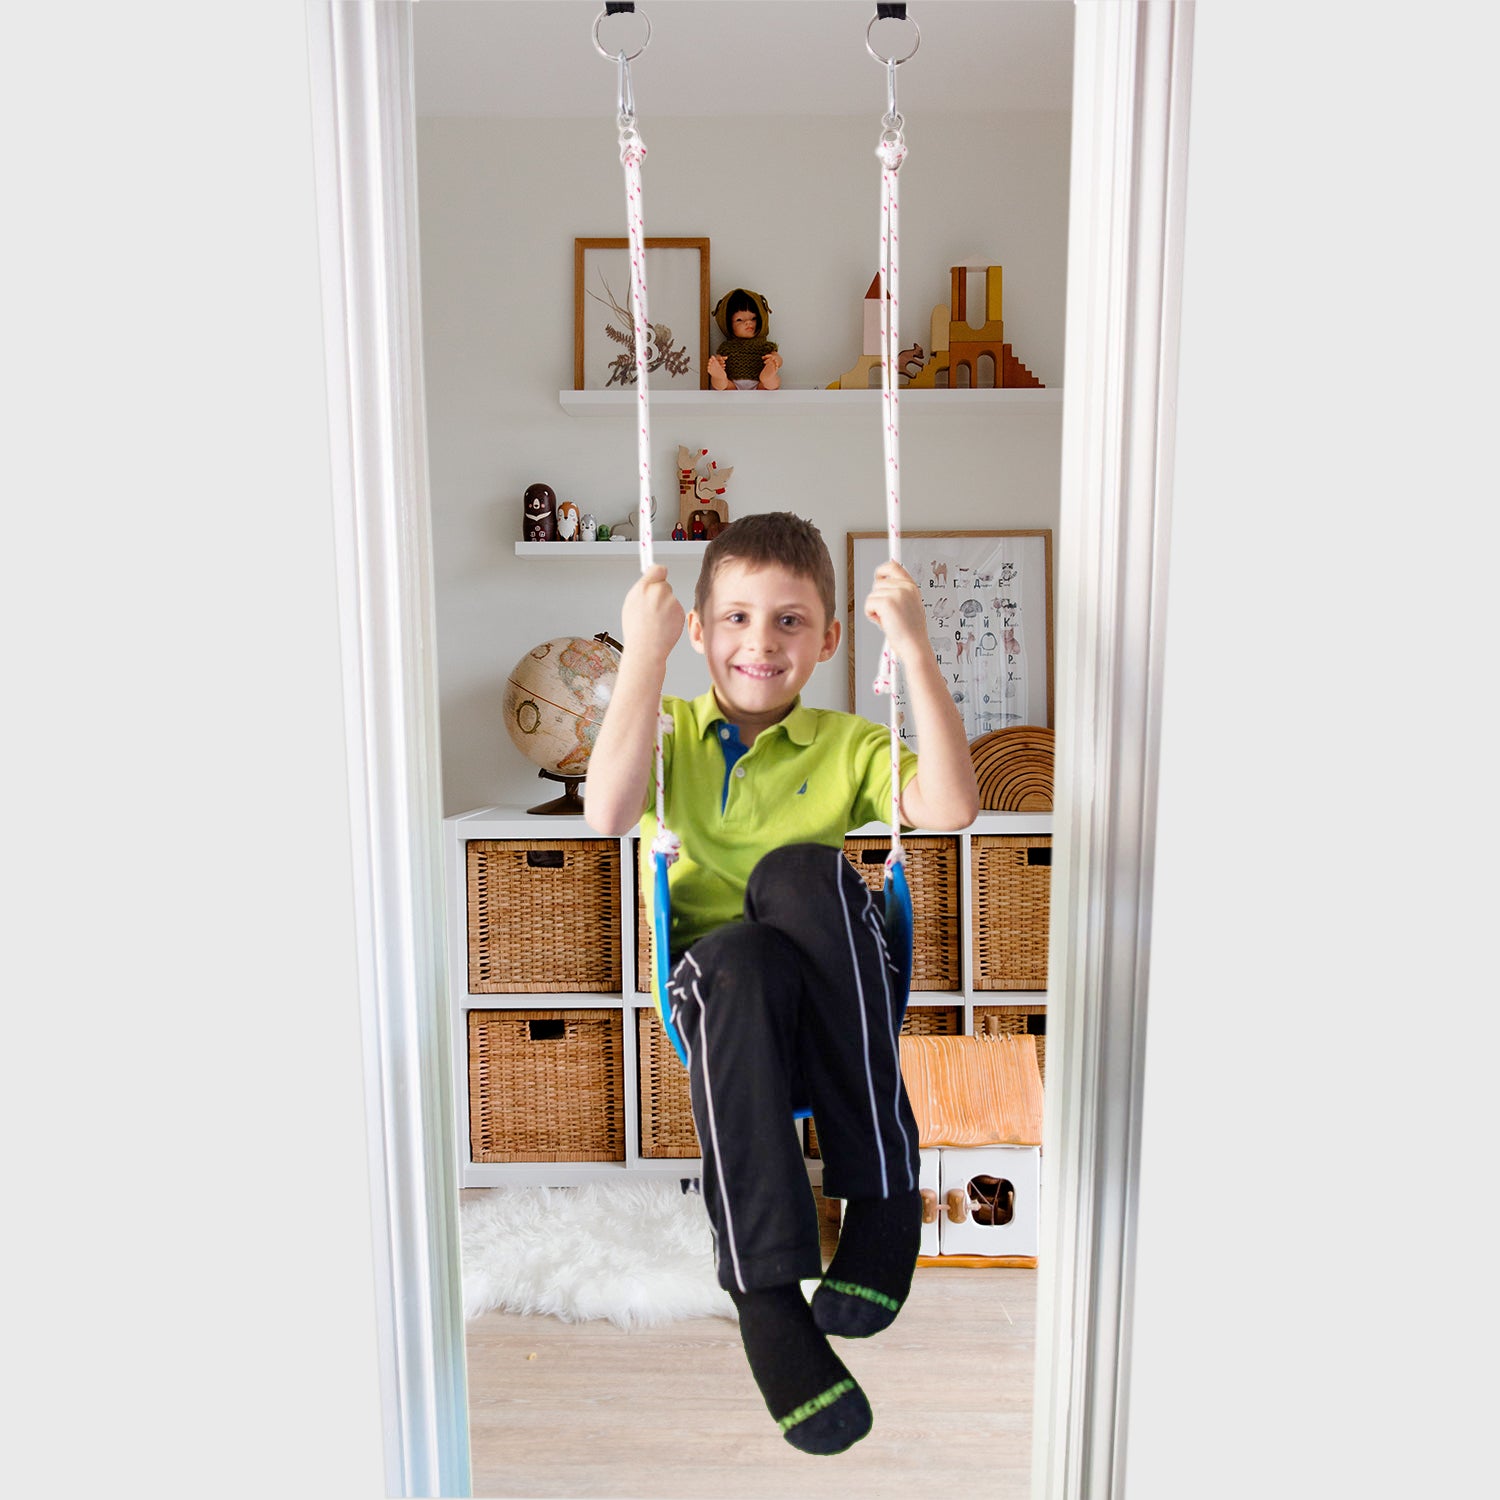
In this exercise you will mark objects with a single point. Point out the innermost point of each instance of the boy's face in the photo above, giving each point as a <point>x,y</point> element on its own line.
<point>762,632</point>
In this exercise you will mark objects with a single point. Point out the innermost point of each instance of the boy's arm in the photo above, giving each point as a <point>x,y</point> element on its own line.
<point>620,766</point>
<point>944,793</point>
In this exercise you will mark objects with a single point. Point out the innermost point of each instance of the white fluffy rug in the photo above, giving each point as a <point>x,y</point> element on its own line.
<point>634,1253</point>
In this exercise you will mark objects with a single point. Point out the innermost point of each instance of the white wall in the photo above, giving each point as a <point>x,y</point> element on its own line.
<point>792,212</point>
<point>187,1252</point>
<point>1315,1311</point>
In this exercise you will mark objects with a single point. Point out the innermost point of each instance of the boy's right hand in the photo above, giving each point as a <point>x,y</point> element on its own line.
<point>652,618</point>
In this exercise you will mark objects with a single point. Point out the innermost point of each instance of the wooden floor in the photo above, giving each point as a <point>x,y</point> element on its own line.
<point>586,1409</point>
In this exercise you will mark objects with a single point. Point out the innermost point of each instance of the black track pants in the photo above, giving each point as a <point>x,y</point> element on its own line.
<point>794,1006</point>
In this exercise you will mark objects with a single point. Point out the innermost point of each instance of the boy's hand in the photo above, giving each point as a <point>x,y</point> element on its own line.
<point>651,616</point>
<point>895,605</point>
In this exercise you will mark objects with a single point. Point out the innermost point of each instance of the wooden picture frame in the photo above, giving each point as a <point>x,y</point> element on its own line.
<point>677,278</point>
<point>988,596</point>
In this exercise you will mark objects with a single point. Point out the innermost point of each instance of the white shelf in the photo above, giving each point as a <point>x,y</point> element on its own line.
<point>605,551</point>
<point>512,821</point>
<point>616,403</point>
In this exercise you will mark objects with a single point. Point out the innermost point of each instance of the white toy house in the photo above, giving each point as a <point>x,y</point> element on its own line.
<point>978,1103</point>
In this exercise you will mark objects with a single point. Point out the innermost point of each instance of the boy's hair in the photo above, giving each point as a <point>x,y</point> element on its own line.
<point>777,538</point>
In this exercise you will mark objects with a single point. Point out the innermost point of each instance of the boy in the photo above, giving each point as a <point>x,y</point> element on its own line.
<point>781,985</point>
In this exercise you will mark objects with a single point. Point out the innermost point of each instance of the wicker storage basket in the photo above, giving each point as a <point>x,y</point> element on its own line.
<point>666,1105</point>
<point>642,935</point>
<point>933,1020</point>
<point>932,873</point>
<point>1012,882</point>
<point>546,1085</point>
<point>544,916</point>
<point>920,1020</point>
<point>1015,1020</point>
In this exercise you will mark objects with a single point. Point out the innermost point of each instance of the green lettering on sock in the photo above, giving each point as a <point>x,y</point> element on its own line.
<point>817,1404</point>
<point>853,1289</point>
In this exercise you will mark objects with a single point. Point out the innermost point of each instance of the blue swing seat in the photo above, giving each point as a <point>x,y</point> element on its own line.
<point>898,938</point>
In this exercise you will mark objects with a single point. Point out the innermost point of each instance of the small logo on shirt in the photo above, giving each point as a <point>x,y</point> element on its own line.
<point>802,789</point>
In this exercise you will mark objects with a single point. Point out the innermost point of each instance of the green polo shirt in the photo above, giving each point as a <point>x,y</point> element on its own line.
<point>807,780</point>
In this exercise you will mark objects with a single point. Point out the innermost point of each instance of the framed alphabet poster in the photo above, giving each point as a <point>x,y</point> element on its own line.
<point>988,599</point>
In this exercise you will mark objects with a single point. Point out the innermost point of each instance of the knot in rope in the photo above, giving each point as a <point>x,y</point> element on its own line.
<point>667,844</point>
<point>885,680</point>
<point>892,152</point>
<point>632,147</point>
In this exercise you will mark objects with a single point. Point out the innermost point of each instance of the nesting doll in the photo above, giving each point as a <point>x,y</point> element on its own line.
<point>539,519</point>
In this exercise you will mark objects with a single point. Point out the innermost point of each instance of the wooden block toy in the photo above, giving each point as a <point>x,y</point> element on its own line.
<point>989,1200</point>
<point>993,326</point>
<point>959,349</point>
<point>937,362</point>
<point>857,376</point>
<point>701,486</point>
<point>871,343</point>
<point>968,346</point>
<point>1015,375</point>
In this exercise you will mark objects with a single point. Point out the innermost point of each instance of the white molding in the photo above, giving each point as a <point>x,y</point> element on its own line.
<point>364,124</point>
<point>1131,72</point>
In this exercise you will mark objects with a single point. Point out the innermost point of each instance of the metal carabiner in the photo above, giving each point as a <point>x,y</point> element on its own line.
<point>892,123</point>
<point>623,58</point>
<point>627,92</point>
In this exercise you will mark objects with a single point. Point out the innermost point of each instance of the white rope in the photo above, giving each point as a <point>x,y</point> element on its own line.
<point>892,152</point>
<point>632,154</point>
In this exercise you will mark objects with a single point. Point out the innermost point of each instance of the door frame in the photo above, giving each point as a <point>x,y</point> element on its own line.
<point>1132,67</point>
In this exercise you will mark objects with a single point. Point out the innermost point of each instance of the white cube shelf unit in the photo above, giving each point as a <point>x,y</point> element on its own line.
<point>541,938</point>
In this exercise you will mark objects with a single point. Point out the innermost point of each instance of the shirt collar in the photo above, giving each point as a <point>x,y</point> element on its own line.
<point>801,724</point>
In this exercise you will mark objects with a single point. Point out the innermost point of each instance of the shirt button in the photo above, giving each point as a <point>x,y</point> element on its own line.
<point>724,734</point>
<point>740,772</point>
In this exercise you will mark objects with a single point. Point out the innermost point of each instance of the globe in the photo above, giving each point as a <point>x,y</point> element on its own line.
<point>555,699</point>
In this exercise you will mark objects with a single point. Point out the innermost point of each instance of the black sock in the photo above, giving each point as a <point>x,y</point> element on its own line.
<point>816,1401</point>
<point>870,1276</point>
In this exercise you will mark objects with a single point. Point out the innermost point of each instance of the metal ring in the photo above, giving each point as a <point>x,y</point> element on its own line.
<point>890,62</point>
<point>628,56</point>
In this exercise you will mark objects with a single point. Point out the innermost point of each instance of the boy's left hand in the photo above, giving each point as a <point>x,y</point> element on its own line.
<point>895,605</point>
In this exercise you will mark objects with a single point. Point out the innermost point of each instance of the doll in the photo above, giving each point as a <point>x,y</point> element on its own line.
<point>747,360</point>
